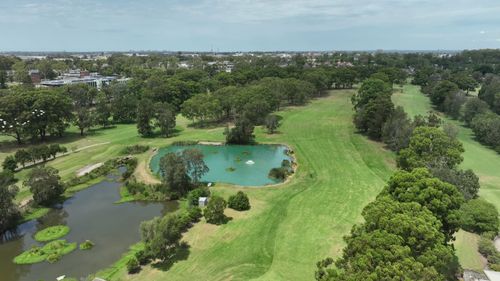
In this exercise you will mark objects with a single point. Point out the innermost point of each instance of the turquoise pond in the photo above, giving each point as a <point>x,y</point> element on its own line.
<point>245,165</point>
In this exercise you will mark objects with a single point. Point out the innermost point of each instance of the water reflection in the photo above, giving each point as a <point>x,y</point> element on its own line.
<point>91,214</point>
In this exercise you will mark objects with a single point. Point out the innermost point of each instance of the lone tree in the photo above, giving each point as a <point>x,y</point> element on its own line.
<point>161,236</point>
<point>45,184</point>
<point>174,173</point>
<point>165,119</point>
<point>239,201</point>
<point>195,166</point>
<point>145,114</point>
<point>214,212</point>
<point>272,123</point>
<point>181,171</point>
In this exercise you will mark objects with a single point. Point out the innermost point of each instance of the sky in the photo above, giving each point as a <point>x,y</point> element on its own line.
<point>248,25</point>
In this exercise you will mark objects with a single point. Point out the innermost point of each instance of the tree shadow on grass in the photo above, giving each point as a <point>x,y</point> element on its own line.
<point>207,124</point>
<point>182,254</point>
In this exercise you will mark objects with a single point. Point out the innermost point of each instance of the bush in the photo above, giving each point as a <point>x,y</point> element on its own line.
<point>87,245</point>
<point>142,257</point>
<point>239,202</point>
<point>278,173</point>
<point>135,149</point>
<point>133,265</point>
<point>194,195</point>
<point>214,212</point>
<point>54,257</point>
<point>194,214</point>
<point>9,163</point>
<point>494,267</point>
<point>184,143</point>
<point>130,164</point>
<point>479,216</point>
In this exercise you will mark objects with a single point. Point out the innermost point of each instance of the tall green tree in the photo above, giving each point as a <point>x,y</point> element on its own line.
<point>45,184</point>
<point>165,119</point>
<point>214,212</point>
<point>430,147</point>
<point>9,213</point>
<point>83,97</point>
<point>161,236</point>
<point>145,115</point>
<point>442,199</point>
<point>242,133</point>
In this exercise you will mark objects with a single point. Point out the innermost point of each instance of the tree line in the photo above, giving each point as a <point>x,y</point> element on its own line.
<point>407,230</point>
<point>479,113</point>
<point>34,154</point>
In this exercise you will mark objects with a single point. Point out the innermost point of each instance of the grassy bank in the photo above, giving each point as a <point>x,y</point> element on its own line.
<point>290,226</point>
<point>484,161</point>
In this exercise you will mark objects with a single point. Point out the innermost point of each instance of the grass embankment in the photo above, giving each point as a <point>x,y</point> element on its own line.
<point>97,146</point>
<point>484,161</point>
<point>51,252</point>
<point>51,233</point>
<point>293,225</point>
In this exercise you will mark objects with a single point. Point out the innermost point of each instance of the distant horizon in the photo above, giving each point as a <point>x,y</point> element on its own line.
<point>244,51</point>
<point>236,26</point>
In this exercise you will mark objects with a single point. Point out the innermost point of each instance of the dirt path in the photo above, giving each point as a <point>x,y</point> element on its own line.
<point>142,172</point>
<point>87,169</point>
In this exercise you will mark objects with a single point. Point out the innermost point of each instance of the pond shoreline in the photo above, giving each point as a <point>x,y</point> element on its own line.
<point>288,151</point>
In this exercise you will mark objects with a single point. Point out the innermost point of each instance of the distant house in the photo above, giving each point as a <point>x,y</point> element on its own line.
<point>35,76</point>
<point>202,201</point>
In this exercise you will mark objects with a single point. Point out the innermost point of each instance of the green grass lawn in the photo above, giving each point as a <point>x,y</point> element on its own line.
<point>484,161</point>
<point>103,144</point>
<point>293,225</point>
<point>466,246</point>
<point>51,252</point>
<point>51,233</point>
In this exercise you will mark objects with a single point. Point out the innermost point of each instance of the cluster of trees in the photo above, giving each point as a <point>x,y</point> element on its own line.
<point>446,91</point>
<point>407,230</point>
<point>33,154</point>
<point>34,114</point>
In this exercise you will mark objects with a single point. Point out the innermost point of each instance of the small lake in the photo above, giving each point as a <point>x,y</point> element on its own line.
<point>245,165</point>
<point>91,214</point>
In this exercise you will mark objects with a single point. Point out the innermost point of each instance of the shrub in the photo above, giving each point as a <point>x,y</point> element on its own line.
<point>142,257</point>
<point>9,163</point>
<point>87,245</point>
<point>214,212</point>
<point>194,195</point>
<point>239,202</point>
<point>278,173</point>
<point>194,214</point>
<point>133,265</point>
<point>135,149</point>
<point>54,257</point>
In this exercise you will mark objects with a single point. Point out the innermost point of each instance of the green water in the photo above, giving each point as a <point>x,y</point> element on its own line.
<point>228,163</point>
